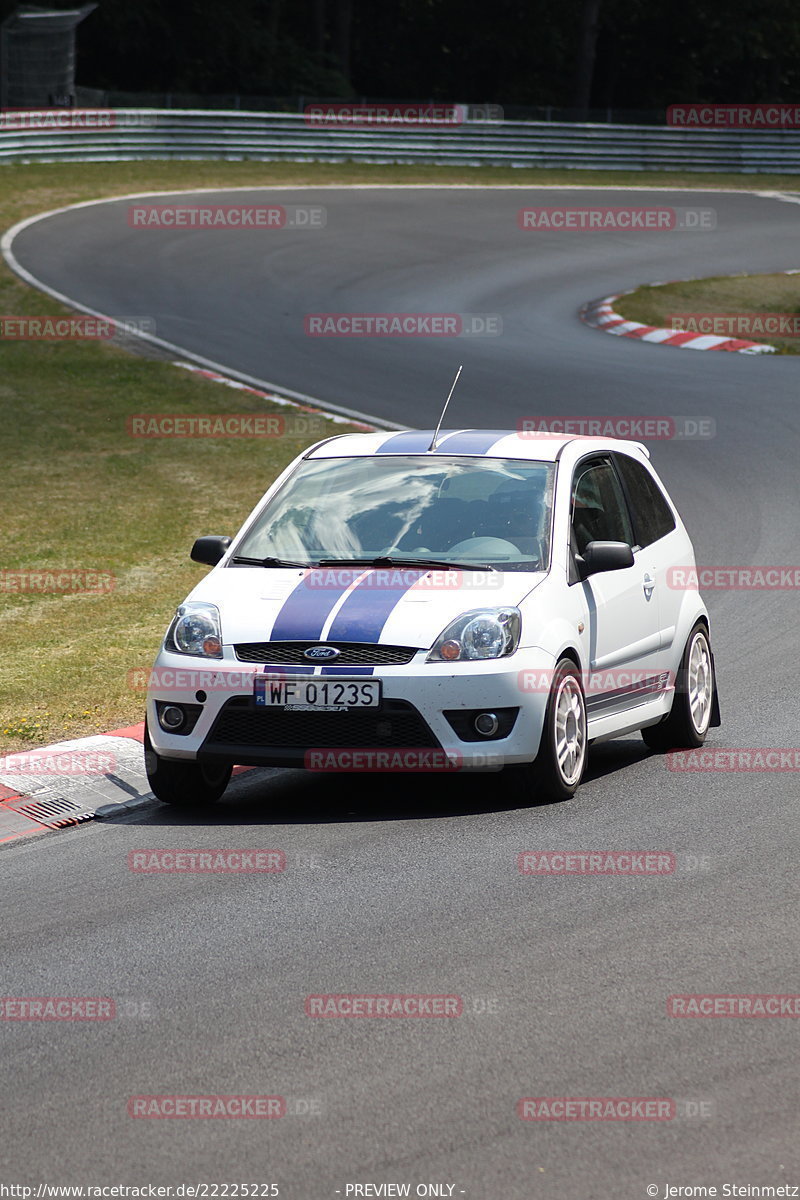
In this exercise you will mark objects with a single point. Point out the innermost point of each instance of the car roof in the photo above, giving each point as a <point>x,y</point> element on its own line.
<point>477,443</point>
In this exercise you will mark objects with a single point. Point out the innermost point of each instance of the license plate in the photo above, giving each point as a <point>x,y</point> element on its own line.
<point>320,693</point>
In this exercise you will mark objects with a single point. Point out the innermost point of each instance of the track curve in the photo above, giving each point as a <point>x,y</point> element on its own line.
<point>421,893</point>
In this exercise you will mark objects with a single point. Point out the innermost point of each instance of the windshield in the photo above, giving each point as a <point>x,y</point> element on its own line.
<point>493,512</point>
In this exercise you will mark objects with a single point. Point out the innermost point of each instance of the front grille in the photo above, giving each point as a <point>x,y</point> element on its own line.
<point>396,724</point>
<point>351,654</point>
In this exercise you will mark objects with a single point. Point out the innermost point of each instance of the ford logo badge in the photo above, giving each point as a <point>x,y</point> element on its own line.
<point>321,652</point>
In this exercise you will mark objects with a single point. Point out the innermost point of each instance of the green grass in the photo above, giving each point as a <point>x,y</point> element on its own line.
<point>78,492</point>
<point>35,187</point>
<point>737,294</point>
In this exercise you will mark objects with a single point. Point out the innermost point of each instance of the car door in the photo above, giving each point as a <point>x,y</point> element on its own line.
<point>621,606</point>
<point>662,542</point>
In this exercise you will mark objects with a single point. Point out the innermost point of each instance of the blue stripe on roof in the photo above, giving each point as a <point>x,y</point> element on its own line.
<point>367,609</point>
<point>308,607</point>
<point>412,441</point>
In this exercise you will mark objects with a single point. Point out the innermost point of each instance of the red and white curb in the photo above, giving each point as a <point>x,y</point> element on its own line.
<point>600,314</point>
<point>49,787</point>
<point>226,380</point>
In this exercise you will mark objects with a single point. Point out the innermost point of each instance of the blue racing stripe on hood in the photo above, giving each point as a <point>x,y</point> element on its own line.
<point>347,670</point>
<point>367,609</point>
<point>282,669</point>
<point>308,607</point>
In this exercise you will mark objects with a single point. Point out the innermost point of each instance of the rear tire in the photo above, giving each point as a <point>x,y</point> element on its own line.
<point>559,766</point>
<point>688,722</point>
<point>183,783</point>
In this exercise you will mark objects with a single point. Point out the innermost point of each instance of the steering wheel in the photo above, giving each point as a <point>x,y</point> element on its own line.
<point>485,547</point>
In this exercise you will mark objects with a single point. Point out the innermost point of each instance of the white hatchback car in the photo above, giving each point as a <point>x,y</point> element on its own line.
<point>500,600</point>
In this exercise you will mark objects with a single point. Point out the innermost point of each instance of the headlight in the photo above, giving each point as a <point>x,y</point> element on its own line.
<point>195,630</point>
<point>481,634</point>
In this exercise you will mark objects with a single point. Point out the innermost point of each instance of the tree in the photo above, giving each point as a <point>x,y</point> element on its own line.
<point>584,65</point>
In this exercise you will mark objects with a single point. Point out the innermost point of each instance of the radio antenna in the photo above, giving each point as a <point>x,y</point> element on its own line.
<point>444,410</point>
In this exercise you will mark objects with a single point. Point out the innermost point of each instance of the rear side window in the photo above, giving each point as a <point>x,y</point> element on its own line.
<point>652,516</point>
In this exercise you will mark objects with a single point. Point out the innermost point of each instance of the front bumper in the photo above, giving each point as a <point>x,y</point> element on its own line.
<point>416,697</point>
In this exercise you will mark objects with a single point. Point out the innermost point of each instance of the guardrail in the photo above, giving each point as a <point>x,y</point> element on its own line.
<point>202,134</point>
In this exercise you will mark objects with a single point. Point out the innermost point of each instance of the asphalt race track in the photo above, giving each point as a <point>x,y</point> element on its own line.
<point>410,885</point>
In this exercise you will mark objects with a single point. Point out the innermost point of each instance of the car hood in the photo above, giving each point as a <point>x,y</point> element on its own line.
<point>396,607</point>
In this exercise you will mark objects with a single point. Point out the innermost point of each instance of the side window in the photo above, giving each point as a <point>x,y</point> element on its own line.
<point>599,510</point>
<point>652,516</point>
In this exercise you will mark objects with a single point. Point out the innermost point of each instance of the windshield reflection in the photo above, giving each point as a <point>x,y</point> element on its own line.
<point>488,512</point>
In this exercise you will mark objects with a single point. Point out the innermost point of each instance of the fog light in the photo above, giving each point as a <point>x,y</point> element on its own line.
<point>171,718</point>
<point>487,724</point>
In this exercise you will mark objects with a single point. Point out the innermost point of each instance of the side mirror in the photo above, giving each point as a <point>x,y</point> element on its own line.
<point>604,556</point>
<point>209,550</point>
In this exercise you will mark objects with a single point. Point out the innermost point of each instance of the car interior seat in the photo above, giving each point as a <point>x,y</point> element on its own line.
<point>514,512</point>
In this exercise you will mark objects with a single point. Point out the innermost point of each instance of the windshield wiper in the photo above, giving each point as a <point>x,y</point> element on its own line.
<point>267,562</point>
<point>385,560</point>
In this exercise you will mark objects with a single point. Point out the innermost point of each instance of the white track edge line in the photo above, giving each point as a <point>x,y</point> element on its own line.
<point>208,363</point>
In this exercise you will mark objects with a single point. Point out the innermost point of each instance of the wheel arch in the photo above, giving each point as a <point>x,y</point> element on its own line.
<point>570,652</point>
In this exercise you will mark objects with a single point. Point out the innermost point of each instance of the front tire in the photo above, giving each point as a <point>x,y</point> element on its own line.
<point>183,783</point>
<point>688,722</point>
<point>561,761</point>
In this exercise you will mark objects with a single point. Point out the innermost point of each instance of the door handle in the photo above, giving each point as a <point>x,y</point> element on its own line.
<point>648,584</point>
